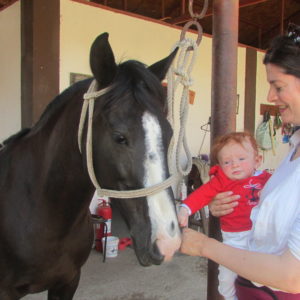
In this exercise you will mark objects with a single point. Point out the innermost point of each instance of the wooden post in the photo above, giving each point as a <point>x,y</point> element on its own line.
<point>224,97</point>
<point>250,90</point>
<point>40,21</point>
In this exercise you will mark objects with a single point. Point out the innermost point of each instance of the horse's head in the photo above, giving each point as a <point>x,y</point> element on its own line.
<point>131,136</point>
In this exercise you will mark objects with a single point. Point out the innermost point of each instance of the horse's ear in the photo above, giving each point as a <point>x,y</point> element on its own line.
<point>102,61</point>
<point>161,67</point>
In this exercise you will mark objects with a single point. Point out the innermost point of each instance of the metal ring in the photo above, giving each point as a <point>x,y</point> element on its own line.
<point>203,12</point>
<point>187,26</point>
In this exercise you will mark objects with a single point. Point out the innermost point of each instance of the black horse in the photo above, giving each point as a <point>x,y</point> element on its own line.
<point>46,231</point>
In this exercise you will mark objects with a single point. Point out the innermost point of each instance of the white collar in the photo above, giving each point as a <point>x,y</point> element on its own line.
<point>295,138</point>
<point>257,172</point>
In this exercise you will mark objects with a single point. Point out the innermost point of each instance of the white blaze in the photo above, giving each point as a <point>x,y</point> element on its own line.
<point>161,208</point>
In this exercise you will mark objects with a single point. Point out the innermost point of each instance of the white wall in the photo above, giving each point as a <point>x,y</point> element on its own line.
<point>10,75</point>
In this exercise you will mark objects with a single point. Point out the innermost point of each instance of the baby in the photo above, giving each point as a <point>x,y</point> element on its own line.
<point>237,160</point>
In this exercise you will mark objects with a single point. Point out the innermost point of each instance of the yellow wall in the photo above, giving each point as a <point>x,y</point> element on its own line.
<point>131,37</point>
<point>10,75</point>
<point>148,41</point>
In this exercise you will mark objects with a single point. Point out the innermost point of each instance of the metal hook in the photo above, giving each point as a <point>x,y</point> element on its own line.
<point>187,26</point>
<point>203,12</point>
<point>205,126</point>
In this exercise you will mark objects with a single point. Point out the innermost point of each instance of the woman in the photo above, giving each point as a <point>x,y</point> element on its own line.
<point>272,262</point>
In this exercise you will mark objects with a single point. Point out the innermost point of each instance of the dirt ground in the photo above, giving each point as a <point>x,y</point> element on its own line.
<point>122,278</point>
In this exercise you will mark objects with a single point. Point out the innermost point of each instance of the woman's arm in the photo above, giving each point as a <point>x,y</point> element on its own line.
<point>281,272</point>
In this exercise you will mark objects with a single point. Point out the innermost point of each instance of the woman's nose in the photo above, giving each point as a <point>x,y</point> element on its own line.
<point>272,96</point>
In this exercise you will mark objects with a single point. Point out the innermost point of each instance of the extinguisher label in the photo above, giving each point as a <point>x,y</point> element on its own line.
<point>108,223</point>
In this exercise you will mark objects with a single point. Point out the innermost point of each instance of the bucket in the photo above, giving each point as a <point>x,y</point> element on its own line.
<point>112,244</point>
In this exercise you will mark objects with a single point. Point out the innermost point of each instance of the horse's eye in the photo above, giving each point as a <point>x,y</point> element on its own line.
<point>120,139</point>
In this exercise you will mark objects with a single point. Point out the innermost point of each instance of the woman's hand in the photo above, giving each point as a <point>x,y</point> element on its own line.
<point>192,242</point>
<point>223,204</point>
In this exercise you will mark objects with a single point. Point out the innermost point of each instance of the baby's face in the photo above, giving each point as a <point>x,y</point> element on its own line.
<point>238,161</point>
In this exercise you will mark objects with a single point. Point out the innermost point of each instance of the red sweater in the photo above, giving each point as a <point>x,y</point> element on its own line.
<point>239,219</point>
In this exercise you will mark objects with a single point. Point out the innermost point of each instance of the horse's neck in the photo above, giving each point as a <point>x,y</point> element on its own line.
<point>59,171</point>
<point>66,163</point>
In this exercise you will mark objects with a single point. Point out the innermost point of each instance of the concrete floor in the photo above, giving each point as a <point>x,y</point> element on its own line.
<point>122,278</point>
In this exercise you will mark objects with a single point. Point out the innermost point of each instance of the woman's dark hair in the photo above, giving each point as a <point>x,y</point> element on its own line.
<point>284,52</point>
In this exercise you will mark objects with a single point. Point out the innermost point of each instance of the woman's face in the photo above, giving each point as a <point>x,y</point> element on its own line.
<point>285,93</point>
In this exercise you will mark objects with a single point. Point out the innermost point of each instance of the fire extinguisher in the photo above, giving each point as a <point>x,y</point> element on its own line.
<point>104,228</point>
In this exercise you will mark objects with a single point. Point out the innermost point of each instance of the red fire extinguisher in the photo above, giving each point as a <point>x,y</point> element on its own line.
<point>104,228</point>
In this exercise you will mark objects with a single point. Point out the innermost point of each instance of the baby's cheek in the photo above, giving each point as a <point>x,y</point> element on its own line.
<point>227,170</point>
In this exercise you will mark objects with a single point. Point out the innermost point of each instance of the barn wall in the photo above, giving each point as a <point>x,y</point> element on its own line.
<point>131,37</point>
<point>148,41</point>
<point>10,75</point>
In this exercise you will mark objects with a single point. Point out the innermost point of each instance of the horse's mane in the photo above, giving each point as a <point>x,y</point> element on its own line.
<point>15,137</point>
<point>60,100</point>
<point>131,75</point>
<point>145,87</point>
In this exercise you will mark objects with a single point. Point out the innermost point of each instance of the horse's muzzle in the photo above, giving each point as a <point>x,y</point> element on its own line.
<point>148,257</point>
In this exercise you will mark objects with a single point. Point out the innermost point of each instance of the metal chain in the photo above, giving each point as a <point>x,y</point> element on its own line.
<point>195,15</point>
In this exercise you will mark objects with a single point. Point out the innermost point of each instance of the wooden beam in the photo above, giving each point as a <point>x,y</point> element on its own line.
<point>244,3</point>
<point>40,21</point>
<point>223,102</point>
<point>250,90</point>
<point>186,16</point>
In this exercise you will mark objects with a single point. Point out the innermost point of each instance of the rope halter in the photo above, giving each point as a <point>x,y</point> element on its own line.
<point>88,107</point>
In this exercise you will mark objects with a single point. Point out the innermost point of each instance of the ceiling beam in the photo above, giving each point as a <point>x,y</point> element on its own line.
<point>186,16</point>
<point>244,3</point>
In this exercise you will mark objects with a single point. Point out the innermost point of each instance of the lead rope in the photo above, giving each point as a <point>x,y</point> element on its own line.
<point>182,75</point>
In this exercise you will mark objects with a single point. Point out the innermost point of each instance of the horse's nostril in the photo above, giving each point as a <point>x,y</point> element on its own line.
<point>172,226</point>
<point>172,229</point>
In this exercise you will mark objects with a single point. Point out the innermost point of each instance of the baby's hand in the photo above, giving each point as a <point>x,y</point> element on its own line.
<point>183,217</point>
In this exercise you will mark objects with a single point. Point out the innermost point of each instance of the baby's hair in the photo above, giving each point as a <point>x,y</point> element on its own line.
<point>237,137</point>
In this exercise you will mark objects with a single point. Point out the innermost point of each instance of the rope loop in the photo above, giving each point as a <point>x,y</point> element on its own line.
<point>186,81</point>
<point>199,31</point>
<point>180,74</point>
<point>93,95</point>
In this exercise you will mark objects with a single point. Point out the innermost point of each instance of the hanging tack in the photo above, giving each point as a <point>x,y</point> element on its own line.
<point>180,74</point>
<point>194,21</point>
<point>187,26</point>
